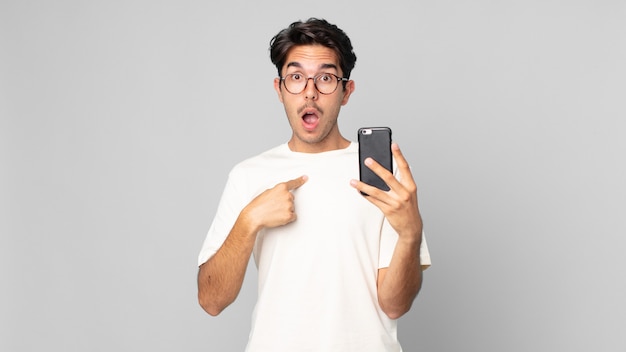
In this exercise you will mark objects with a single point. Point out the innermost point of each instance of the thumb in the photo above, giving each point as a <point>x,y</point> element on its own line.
<point>296,182</point>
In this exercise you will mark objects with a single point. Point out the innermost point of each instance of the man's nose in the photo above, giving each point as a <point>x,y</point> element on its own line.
<point>310,90</point>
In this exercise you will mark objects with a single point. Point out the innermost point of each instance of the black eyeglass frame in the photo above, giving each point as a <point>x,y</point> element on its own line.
<point>314,78</point>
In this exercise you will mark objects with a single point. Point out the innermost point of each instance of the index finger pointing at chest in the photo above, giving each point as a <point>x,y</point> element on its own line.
<point>296,183</point>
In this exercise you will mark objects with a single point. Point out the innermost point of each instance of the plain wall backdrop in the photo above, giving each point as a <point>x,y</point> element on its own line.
<point>121,119</point>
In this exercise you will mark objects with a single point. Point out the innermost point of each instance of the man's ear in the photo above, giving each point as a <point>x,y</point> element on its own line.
<point>277,82</point>
<point>347,91</point>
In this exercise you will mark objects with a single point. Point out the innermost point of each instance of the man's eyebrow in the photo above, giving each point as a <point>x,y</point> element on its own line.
<point>322,66</point>
<point>333,66</point>
<point>294,64</point>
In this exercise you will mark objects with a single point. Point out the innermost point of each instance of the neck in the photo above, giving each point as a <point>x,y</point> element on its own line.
<point>299,146</point>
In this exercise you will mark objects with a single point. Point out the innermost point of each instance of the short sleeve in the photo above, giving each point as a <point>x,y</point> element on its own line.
<point>388,241</point>
<point>231,203</point>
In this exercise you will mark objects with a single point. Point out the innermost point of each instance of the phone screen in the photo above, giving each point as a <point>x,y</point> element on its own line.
<point>374,142</point>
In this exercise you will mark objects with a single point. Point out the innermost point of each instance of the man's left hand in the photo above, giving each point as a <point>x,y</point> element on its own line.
<point>399,204</point>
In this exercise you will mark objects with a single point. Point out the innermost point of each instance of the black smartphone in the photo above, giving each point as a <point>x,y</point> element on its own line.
<point>374,142</point>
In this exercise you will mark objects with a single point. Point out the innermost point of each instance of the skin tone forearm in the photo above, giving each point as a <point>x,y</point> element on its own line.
<point>220,278</point>
<point>399,284</point>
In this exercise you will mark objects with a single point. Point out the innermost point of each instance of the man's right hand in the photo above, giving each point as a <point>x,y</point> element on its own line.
<point>275,206</point>
<point>220,278</point>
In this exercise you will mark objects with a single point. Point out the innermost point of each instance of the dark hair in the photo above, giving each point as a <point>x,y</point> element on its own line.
<point>313,31</point>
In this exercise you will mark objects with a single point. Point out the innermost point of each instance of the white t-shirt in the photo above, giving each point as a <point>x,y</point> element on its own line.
<point>317,275</point>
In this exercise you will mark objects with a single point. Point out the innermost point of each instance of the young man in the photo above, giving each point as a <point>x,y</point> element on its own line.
<point>336,269</point>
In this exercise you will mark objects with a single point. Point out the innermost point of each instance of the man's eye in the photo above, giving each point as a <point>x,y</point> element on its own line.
<point>325,78</point>
<point>296,77</point>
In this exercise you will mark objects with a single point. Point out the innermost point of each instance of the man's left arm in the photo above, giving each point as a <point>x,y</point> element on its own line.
<point>398,284</point>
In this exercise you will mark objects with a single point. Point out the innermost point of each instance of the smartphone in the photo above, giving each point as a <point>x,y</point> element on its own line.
<point>374,142</point>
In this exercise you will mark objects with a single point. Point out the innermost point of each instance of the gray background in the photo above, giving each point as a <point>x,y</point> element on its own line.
<point>121,119</point>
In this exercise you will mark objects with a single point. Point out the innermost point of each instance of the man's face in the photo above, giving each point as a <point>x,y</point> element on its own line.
<point>312,115</point>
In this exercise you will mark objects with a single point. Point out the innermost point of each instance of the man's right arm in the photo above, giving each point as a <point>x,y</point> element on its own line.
<point>220,278</point>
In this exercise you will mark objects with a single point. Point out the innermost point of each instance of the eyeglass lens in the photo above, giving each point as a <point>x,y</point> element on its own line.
<point>325,83</point>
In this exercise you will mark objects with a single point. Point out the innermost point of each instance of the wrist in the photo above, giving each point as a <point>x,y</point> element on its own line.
<point>249,222</point>
<point>411,238</point>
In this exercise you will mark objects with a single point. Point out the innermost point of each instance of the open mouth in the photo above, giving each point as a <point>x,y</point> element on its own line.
<point>310,119</point>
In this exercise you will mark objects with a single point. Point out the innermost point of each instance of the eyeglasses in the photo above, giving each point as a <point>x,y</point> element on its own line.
<point>325,83</point>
